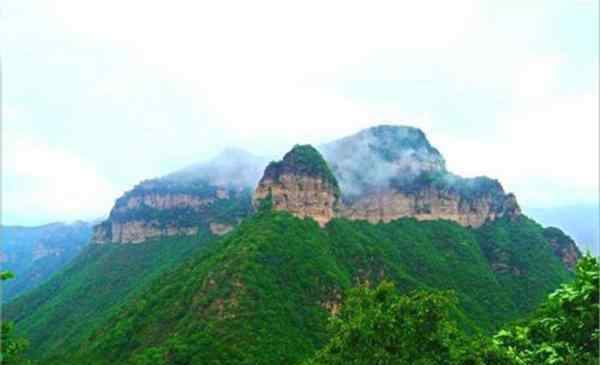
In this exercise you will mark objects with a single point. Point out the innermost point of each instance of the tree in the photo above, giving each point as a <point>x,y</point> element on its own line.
<point>379,327</point>
<point>565,331</point>
<point>11,346</point>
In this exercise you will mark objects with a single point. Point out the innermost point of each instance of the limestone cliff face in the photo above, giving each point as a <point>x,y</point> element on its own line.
<point>209,198</point>
<point>153,211</point>
<point>429,204</point>
<point>390,172</point>
<point>137,231</point>
<point>385,173</point>
<point>303,196</point>
<point>301,184</point>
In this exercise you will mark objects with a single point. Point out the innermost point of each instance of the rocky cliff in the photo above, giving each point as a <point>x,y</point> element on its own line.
<point>389,172</point>
<point>302,184</point>
<point>384,173</point>
<point>210,197</point>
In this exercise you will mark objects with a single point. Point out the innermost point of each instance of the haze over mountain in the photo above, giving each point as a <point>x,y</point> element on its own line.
<point>582,222</point>
<point>34,254</point>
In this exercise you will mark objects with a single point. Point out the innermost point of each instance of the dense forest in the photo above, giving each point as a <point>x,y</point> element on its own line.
<point>281,290</point>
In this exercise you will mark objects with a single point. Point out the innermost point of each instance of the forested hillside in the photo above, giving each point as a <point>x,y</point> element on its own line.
<point>263,294</point>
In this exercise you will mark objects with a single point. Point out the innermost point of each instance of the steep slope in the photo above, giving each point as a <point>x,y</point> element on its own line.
<point>563,246</point>
<point>152,228</point>
<point>582,222</point>
<point>35,253</point>
<point>388,172</point>
<point>60,313</point>
<point>263,294</point>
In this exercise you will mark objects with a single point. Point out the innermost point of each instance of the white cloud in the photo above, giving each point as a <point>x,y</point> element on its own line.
<point>264,75</point>
<point>56,182</point>
<point>546,148</point>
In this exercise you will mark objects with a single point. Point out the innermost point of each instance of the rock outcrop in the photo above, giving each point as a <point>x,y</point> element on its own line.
<point>385,173</point>
<point>302,184</point>
<point>429,204</point>
<point>390,172</point>
<point>210,197</point>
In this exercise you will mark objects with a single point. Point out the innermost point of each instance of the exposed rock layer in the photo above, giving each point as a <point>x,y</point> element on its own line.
<point>303,196</point>
<point>137,231</point>
<point>385,173</point>
<point>210,197</point>
<point>430,204</point>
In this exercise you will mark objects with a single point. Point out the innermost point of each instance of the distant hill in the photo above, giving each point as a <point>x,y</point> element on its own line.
<point>582,222</point>
<point>34,254</point>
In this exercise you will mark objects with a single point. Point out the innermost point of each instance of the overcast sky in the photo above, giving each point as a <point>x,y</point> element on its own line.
<point>100,95</point>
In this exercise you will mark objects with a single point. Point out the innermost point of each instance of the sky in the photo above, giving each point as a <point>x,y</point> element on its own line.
<point>97,96</point>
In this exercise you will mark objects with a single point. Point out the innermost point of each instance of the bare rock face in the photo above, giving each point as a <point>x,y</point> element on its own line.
<point>390,172</point>
<point>303,196</point>
<point>211,197</point>
<point>301,184</point>
<point>385,173</point>
<point>153,211</point>
<point>220,229</point>
<point>430,204</point>
<point>138,231</point>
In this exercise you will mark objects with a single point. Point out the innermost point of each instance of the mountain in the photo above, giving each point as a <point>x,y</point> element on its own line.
<point>389,172</point>
<point>34,254</point>
<point>152,228</point>
<point>160,286</point>
<point>263,294</point>
<point>210,196</point>
<point>302,184</point>
<point>581,221</point>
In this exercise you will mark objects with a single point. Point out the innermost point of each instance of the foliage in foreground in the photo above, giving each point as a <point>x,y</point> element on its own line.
<point>11,346</point>
<point>565,329</point>
<point>379,326</point>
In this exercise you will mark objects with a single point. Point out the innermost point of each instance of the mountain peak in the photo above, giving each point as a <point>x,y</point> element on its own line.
<point>302,160</point>
<point>300,183</point>
<point>369,159</point>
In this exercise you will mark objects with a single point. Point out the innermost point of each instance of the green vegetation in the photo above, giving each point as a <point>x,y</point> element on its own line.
<point>221,210</point>
<point>566,328</point>
<point>59,314</point>
<point>380,326</point>
<point>11,346</point>
<point>263,294</point>
<point>304,160</point>
<point>466,188</point>
<point>522,258</point>
<point>197,187</point>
